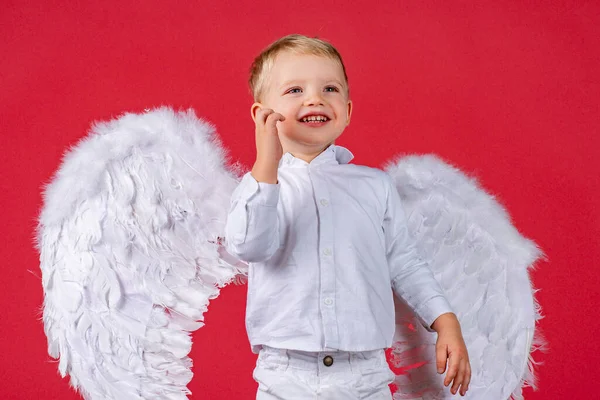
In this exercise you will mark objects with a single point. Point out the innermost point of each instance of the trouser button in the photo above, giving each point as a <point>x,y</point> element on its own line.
<point>328,361</point>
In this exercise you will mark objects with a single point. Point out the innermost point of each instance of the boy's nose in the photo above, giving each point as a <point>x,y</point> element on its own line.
<point>313,99</point>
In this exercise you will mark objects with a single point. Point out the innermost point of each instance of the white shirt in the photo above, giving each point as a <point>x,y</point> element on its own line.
<point>325,246</point>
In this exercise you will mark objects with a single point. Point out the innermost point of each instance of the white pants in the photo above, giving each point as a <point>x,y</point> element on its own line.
<point>297,375</point>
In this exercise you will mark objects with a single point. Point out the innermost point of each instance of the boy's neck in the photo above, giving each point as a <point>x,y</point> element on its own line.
<point>307,155</point>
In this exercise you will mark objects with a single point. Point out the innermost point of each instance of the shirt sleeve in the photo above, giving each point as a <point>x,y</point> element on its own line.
<point>252,228</point>
<point>412,279</point>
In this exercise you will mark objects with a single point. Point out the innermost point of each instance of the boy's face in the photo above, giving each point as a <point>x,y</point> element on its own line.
<point>311,93</point>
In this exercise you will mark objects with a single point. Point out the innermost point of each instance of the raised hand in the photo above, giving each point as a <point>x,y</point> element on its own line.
<point>268,145</point>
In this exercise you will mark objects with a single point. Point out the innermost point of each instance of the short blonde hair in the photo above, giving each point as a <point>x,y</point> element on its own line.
<point>298,44</point>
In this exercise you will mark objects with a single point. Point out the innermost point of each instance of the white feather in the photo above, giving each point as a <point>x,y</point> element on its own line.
<point>129,252</point>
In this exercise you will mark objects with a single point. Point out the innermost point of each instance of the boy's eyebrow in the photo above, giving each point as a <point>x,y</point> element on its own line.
<point>287,83</point>
<point>296,81</point>
<point>336,81</point>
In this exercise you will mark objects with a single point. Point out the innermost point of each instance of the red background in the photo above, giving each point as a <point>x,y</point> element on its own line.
<point>507,90</point>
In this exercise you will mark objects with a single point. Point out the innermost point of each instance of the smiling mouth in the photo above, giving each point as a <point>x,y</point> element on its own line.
<point>314,119</point>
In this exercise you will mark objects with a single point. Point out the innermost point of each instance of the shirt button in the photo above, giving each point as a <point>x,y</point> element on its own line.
<point>324,202</point>
<point>327,251</point>
<point>328,301</point>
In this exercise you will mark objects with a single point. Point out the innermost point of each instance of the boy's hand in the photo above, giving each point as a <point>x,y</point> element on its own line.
<point>268,145</point>
<point>451,345</point>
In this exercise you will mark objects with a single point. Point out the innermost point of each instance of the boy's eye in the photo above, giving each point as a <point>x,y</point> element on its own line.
<point>331,89</point>
<point>294,90</point>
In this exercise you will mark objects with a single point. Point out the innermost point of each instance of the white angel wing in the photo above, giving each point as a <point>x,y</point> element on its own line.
<point>130,254</point>
<point>482,263</point>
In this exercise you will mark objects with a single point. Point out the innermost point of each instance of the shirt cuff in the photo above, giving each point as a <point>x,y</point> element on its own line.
<point>431,310</point>
<point>266,194</point>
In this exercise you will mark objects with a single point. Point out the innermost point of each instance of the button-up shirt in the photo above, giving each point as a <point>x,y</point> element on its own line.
<point>327,246</point>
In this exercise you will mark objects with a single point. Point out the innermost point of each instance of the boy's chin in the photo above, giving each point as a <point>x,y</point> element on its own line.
<point>307,147</point>
<point>313,138</point>
<point>312,144</point>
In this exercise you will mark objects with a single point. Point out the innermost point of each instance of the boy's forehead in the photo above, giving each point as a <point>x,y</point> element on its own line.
<point>289,66</point>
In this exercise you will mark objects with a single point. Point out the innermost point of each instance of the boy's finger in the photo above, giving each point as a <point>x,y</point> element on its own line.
<point>441,356</point>
<point>263,114</point>
<point>452,371</point>
<point>467,381</point>
<point>459,378</point>
<point>276,117</point>
<point>271,122</point>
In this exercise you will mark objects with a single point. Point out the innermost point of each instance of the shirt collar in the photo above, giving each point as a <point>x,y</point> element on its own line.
<point>331,155</point>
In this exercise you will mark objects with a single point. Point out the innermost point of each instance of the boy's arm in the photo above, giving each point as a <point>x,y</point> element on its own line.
<point>252,228</point>
<point>412,280</point>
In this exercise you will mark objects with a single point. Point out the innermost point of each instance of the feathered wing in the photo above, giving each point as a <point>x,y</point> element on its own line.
<point>129,240</point>
<point>481,262</point>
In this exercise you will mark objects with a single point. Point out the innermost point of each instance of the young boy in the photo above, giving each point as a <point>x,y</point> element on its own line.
<point>326,242</point>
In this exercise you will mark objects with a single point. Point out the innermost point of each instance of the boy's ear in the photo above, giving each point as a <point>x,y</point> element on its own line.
<point>254,109</point>
<point>349,112</point>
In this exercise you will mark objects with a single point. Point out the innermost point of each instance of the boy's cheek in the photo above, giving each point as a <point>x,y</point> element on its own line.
<point>283,124</point>
<point>289,122</point>
<point>285,127</point>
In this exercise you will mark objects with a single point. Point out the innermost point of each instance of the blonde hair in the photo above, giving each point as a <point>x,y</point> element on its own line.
<point>298,44</point>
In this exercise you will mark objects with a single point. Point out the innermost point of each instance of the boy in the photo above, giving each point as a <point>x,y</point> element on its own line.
<point>326,242</point>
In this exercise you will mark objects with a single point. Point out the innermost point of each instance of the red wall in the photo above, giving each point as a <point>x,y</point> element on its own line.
<point>508,90</point>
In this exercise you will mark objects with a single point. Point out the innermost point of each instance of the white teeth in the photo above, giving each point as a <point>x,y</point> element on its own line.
<point>315,118</point>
